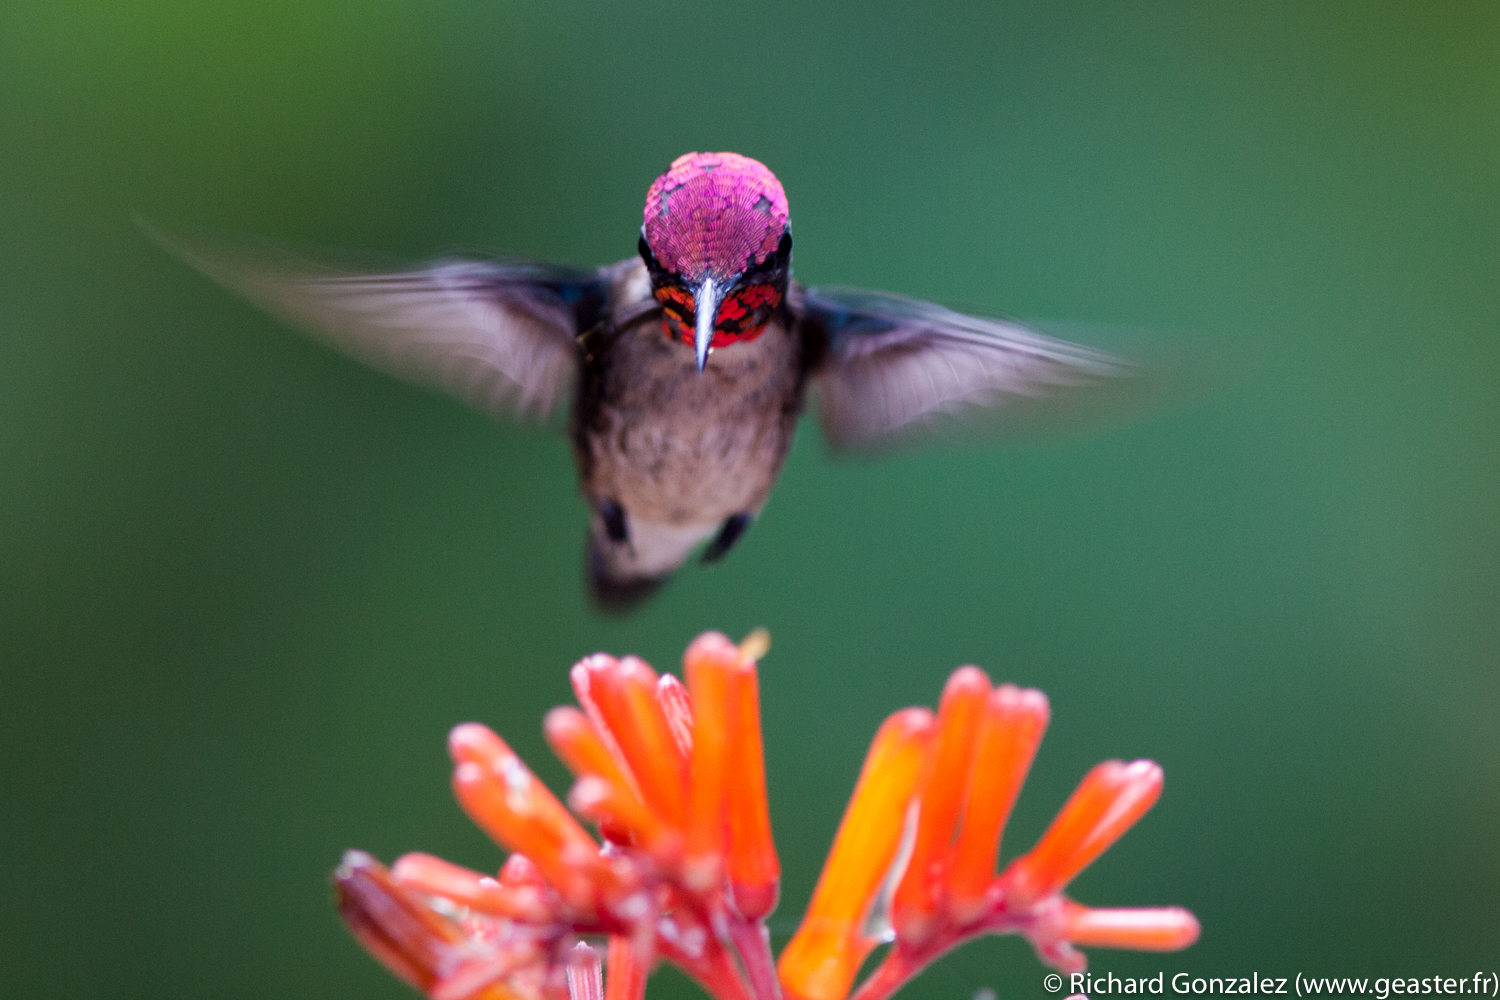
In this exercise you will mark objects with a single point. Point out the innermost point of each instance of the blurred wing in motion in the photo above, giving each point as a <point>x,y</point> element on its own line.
<point>498,335</point>
<point>894,365</point>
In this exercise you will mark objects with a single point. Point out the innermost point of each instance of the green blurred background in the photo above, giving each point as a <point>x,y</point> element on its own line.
<point>246,586</point>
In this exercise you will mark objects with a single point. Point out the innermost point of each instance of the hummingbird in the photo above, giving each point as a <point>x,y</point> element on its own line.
<point>687,364</point>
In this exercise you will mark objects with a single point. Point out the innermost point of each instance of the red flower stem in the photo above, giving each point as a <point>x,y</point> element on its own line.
<point>753,942</point>
<point>891,974</point>
<point>901,963</point>
<point>726,984</point>
<point>714,970</point>
<point>627,974</point>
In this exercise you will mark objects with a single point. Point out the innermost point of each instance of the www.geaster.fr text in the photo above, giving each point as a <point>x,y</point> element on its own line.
<point>1298,984</point>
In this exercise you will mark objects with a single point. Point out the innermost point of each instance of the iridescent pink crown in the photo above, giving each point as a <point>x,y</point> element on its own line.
<point>714,212</point>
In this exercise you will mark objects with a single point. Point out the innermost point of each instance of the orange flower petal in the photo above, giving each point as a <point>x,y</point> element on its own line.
<point>709,665</point>
<point>1106,804</point>
<point>579,745</point>
<point>610,805</point>
<point>822,958</point>
<point>519,872</point>
<point>584,675</point>
<point>537,814</point>
<point>626,699</point>
<point>945,774</point>
<point>1009,733</point>
<point>754,869</point>
<point>627,974</point>
<point>1167,928</point>
<point>677,707</point>
<point>506,801</point>
<point>677,773</point>
<point>469,888</point>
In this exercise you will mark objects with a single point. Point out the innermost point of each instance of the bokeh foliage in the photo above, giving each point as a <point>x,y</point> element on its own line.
<point>247,586</point>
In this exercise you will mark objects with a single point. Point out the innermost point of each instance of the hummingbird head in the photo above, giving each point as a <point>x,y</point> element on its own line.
<point>719,249</point>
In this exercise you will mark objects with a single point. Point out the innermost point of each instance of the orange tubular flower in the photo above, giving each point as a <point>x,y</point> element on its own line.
<point>948,893</point>
<point>821,960</point>
<point>673,776</point>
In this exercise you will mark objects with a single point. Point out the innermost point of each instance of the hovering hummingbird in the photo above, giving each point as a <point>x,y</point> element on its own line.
<point>687,365</point>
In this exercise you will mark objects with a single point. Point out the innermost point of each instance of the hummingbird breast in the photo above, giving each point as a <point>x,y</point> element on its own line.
<point>675,447</point>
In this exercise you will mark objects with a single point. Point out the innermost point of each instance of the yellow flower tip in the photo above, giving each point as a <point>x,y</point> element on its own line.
<point>1109,801</point>
<point>1168,928</point>
<point>756,645</point>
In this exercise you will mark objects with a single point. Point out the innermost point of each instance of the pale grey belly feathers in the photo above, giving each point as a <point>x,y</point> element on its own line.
<point>681,452</point>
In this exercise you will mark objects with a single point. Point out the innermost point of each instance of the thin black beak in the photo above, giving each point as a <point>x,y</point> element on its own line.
<point>707,298</point>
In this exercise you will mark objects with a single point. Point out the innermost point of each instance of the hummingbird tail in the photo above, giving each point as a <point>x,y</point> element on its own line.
<point>613,593</point>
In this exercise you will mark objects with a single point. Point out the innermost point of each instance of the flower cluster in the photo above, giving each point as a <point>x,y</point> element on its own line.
<point>673,778</point>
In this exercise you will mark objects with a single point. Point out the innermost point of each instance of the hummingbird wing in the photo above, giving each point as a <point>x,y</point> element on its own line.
<point>893,366</point>
<point>499,335</point>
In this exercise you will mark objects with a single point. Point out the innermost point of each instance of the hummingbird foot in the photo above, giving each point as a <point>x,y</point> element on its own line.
<point>613,516</point>
<point>734,526</point>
